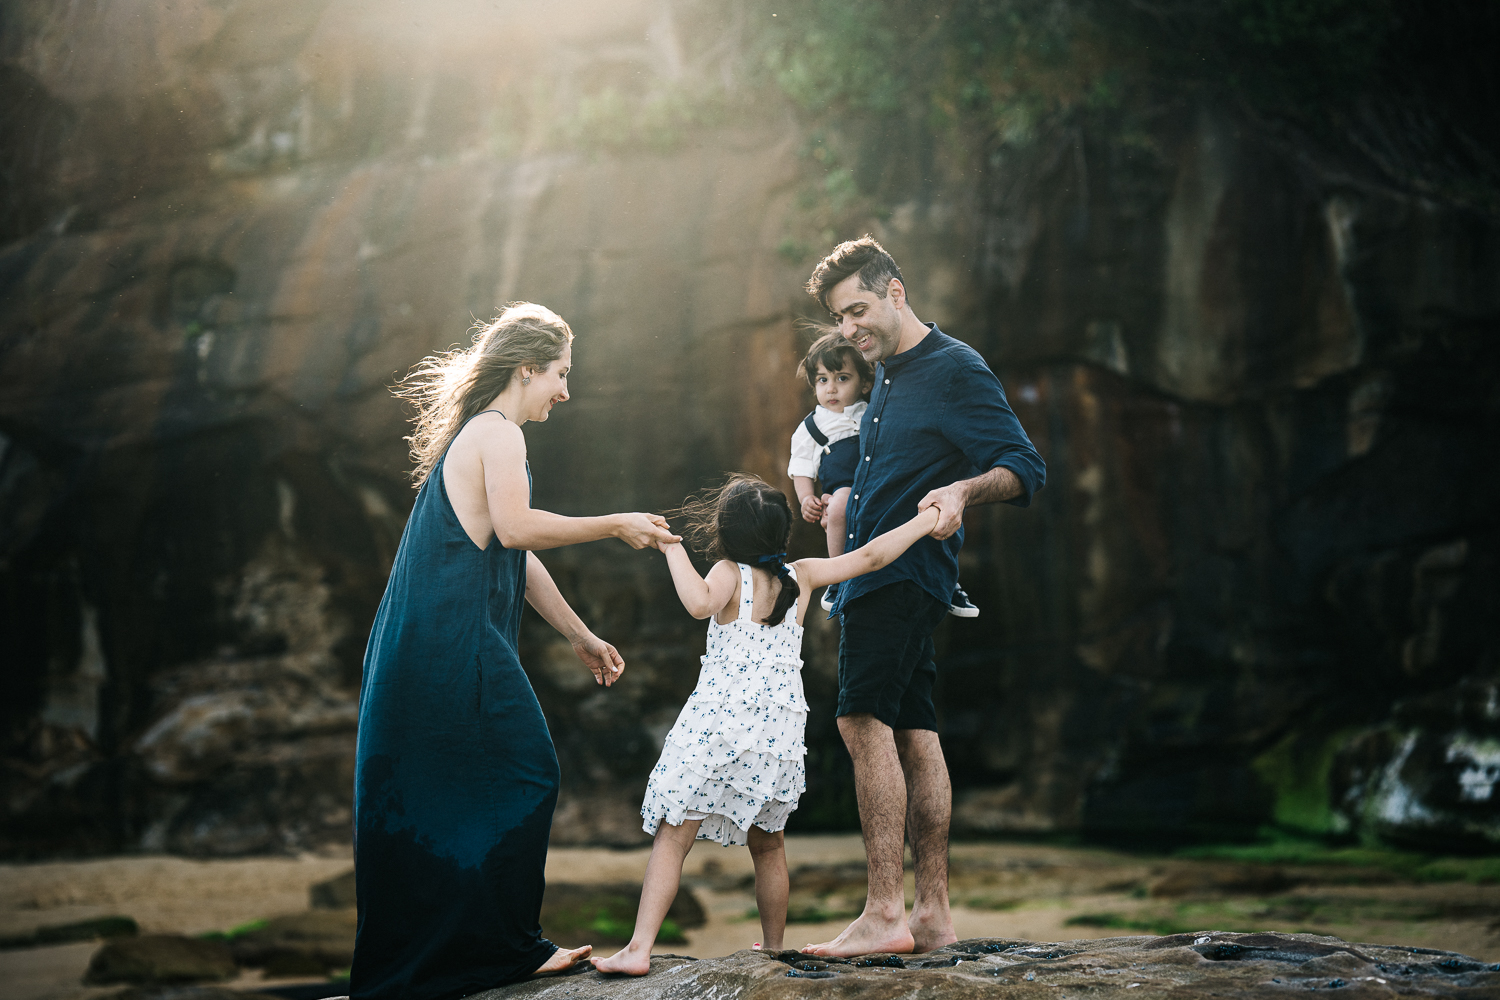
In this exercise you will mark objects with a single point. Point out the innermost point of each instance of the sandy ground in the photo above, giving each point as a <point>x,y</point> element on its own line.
<point>1030,892</point>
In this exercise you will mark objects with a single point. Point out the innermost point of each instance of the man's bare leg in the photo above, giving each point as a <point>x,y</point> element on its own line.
<point>929,807</point>
<point>881,788</point>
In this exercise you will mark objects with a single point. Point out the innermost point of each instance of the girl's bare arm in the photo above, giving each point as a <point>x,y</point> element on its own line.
<point>702,596</point>
<point>874,554</point>
<point>542,594</point>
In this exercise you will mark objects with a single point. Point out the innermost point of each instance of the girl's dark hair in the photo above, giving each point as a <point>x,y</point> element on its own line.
<point>745,520</point>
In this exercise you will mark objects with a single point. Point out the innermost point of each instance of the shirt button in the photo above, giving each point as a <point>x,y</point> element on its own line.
<point>851,536</point>
<point>887,381</point>
<point>877,420</point>
<point>856,496</point>
<point>867,458</point>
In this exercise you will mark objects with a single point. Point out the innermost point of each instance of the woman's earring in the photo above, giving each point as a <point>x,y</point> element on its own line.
<point>526,380</point>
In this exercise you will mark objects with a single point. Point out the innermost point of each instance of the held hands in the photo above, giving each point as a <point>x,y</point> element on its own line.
<point>641,531</point>
<point>813,509</point>
<point>949,503</point>
<point>602,659</point>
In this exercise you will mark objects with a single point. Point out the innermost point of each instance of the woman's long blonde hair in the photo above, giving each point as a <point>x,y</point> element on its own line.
<point>450,388</point>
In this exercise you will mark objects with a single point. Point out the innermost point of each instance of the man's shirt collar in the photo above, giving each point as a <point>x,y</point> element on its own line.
<point>926,344</point>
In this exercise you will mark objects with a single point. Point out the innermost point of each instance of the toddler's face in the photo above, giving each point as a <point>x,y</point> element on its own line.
<point>837,389</point>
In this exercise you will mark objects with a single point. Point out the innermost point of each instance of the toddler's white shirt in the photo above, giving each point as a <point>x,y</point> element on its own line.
<point>807,454</point>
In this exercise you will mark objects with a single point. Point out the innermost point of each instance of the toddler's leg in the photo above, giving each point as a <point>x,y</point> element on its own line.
<point>837,532</point>
<point>663,876</point>
<point>768,851</point>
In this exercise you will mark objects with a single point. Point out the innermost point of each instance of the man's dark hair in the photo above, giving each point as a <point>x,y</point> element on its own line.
<point>863,257</point>
<point>835,354</point>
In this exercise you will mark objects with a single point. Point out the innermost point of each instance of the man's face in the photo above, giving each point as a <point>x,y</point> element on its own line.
<point>868,321</point>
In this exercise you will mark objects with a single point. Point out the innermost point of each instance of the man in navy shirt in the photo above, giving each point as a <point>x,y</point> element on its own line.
<point>936,417</point>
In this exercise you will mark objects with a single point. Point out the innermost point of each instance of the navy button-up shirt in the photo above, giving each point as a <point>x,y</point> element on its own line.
<point>937,415</point>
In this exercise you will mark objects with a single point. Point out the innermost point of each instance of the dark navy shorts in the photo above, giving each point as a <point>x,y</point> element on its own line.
<point>837,468</point>
<point>887,662</point>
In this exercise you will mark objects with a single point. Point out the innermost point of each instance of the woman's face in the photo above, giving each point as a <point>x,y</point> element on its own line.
<point>549,386</point>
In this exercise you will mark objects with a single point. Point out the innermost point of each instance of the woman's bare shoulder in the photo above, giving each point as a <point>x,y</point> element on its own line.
<point>489,432</point>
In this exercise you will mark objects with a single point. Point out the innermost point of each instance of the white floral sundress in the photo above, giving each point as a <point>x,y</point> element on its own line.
<point>735,755</point>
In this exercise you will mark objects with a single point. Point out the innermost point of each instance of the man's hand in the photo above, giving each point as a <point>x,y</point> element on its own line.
<point>950,502</point>
<point>602,659</point>
<point>997,485</point>
<point>812,509</point>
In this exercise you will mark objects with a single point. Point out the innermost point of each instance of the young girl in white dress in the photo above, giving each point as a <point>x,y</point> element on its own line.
<point>731,770</point>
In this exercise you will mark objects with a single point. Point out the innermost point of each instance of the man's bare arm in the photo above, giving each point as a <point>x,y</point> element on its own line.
<point>996,486</point>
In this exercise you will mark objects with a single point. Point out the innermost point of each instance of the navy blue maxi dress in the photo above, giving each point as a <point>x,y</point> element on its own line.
<point>455,775</point>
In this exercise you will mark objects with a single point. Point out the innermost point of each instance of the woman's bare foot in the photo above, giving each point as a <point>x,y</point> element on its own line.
<point>564,958</point>
<point>629,961</point>
<point>867,936</point>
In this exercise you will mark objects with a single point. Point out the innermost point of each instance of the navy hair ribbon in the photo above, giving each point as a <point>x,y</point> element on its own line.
<point>774,560</point>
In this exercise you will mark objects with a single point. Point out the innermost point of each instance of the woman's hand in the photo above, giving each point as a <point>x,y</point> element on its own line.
<point>641,531</point>
<point>602,659</point>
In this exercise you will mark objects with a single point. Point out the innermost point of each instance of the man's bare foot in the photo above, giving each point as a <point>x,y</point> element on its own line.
<point>930,933</point>
<point>629,961</point>
<point>867,936</point>
<point>564,958</point>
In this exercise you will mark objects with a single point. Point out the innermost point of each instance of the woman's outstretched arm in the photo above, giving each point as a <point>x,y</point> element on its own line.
<point>517,525</point>
<point>542,593</point>
<point>876,553</point>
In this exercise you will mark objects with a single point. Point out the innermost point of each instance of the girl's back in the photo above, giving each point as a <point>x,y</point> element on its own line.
<point>735,756</point>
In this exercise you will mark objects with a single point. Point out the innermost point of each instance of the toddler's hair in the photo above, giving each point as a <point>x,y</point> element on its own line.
<point>835,354</point>
<point>744,520</point>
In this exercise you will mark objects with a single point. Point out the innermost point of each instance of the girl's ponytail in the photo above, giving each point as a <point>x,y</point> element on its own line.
<point>789,589</point>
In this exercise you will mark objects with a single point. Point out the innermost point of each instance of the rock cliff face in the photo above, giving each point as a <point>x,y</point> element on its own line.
<point>1259,586</point>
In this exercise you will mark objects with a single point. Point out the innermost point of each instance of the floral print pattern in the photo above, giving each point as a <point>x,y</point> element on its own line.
<point>735,755</point>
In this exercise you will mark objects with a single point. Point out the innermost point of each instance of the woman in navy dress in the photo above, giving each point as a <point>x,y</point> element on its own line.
<point>455,774</point>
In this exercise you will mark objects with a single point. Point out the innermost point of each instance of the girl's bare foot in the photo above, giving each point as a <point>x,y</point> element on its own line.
<point>629,961</point>
<point>564,958</point>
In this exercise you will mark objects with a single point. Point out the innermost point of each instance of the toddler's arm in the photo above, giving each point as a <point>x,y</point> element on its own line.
<point>876,553</point>
<point>702,596</point>
<point>812,504</point>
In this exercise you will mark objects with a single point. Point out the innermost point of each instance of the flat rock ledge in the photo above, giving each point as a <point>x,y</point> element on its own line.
<point>1206,964</point>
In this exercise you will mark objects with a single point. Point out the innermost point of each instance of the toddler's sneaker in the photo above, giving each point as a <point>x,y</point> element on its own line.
<point>831,594</point>
<point>959,604</point>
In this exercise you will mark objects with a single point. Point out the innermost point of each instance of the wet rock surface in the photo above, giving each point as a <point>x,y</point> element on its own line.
<point>1184,965</point>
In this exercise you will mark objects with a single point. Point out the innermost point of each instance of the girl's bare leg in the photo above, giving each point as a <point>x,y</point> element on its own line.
<point>768,851</point>
<point>663,876</point>
<point>837,503</point>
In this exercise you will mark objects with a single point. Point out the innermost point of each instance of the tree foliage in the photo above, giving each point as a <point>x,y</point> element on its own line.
<point>1408,86</point>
